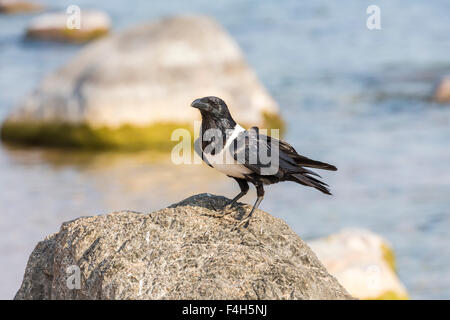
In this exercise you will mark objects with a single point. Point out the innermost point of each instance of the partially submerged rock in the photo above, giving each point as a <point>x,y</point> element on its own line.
<point>363,263</point>
<point>442,91</point>
<point>185,251</point>
<point>145,76</point>
<point>57,26</point>
<point>18,6</point>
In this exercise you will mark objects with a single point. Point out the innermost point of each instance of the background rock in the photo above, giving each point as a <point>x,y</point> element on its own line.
<point>53,26</point>
<point>363,263</point>
<point>442,91</point>
<point>18,6</point>
<point>182,252</point>
<point>133,81</point>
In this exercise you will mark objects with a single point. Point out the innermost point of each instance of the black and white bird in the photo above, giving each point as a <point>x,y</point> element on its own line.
<point>229,148</point>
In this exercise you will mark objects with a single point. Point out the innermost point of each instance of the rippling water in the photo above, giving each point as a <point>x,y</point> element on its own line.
<point>352,97</point>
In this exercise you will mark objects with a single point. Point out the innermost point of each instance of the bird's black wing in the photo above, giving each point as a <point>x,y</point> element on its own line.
<point>249,149</point>
<point>265,155</point>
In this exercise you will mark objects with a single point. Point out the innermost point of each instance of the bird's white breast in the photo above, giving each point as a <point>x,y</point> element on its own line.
<point>224,162</point>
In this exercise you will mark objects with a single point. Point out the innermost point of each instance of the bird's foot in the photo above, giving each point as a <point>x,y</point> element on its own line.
<point>245,221</point>
<point>221,212</point>
<point>228,209</point>
<point>224,208</point>
<point>215,215</point>
<point>244,224</point>
<point>214,208</point>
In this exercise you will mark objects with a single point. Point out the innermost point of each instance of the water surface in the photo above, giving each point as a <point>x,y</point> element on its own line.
<point>353,97</point>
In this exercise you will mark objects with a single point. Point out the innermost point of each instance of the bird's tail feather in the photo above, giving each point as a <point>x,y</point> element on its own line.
<point>306,162</point>
<point>311,182</point>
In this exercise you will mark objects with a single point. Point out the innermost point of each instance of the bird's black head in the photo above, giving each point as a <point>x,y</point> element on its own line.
<point>215,112</point>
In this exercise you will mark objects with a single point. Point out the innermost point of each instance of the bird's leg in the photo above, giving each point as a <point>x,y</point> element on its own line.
<point>244,189</point>
<point>260,197</point>
<point>235,199</point>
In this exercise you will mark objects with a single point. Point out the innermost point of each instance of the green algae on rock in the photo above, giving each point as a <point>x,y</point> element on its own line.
<point>390,295</point>
<point>155,136</point>
<point>126,137</point>
<point>389,256</point>
<point>274,121</point>
<point>67,35</point>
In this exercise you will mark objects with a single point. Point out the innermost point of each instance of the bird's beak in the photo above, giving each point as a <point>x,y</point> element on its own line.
<point>199,105</point>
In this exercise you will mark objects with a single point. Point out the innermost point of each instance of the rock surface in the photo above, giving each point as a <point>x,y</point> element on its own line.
<point>54,26</point>
<point>363,263</point>
<point>182,252</point>
<point>442,91</point>
<point>143,76</point>
<point>18,6</point>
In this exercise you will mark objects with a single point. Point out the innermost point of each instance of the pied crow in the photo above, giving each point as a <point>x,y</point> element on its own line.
<point>249,156</point>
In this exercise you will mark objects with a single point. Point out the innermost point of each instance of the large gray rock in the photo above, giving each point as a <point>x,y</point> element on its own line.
<point>363,262</point>
<point>143,76</point>
<point>18,6</point>
<point>57,26</point>
<point>185,251</point>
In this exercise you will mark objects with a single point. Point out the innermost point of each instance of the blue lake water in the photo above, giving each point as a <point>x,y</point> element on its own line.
<point>352,97</point>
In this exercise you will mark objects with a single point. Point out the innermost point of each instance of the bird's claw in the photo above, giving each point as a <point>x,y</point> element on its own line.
<point>214,208</point>
<point>224,211</point>
<point>244,223</point>
<point>227,209</point>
